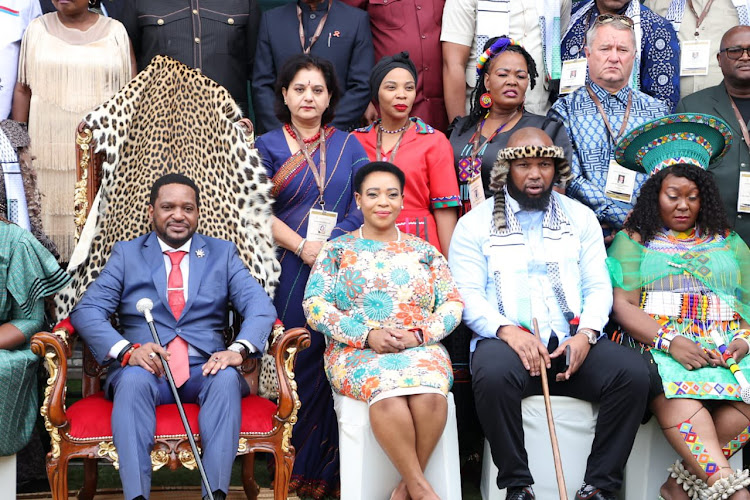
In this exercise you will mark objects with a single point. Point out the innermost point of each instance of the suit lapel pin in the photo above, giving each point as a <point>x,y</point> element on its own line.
<point>200,253</point>
<point>337,33</point>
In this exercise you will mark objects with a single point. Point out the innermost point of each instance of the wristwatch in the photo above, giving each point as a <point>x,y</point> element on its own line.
<point>590,334</point>
<point>240,349</point>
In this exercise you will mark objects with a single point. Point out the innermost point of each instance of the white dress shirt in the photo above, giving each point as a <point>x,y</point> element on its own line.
<point>585,279</point>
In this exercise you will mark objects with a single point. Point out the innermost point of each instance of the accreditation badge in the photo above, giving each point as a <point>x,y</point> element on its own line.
<point>620,183</point>
<point>743,198</point>
<point>320,224</point>
<point>694,57</point>
<point>573,75</point>
<point>476,191</point>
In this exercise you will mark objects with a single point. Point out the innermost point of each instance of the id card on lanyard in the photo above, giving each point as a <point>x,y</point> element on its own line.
<point>320,222</point>
<point>476,188</point>
<point>695,54</point>
<point>620,183</point>
<point>743,195</point>
<point>573,75</point>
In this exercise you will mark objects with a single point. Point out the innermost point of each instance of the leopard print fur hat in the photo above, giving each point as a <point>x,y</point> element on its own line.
<point>499,175</point>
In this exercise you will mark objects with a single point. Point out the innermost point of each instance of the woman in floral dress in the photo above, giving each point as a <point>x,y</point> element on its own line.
<point>384,300</point>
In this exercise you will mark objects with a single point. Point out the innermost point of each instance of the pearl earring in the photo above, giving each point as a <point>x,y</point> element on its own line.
<point>358,208</point>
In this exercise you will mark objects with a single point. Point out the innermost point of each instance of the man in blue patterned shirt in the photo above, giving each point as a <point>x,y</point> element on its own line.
<point>657,60</point>
<point>598,114</point>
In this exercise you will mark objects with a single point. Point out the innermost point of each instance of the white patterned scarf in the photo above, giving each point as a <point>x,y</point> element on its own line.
<point>549,26</point>
<point>508,263</point>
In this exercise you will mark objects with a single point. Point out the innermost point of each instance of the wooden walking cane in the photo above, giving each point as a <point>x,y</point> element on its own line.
<point>551,423</point>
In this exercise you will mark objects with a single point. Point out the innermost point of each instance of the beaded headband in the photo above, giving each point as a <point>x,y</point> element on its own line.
<point>687,138</point>
<point>496,48</point>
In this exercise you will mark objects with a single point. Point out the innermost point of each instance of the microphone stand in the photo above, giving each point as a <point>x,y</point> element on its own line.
<point>180,409</point>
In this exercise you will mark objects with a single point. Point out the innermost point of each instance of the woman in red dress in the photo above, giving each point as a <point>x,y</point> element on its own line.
<point>431,196</point>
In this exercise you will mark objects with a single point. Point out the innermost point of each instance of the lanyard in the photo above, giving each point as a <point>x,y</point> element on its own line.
<point>476,147</point>
<point>743,125</point>
<point>320,175</point>
<point>604,115</point>
<point>318,30</point>
<point>699,18</point>
<point>379,145</point>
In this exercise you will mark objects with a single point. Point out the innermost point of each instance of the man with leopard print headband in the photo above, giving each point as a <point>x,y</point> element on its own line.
<point>529,252</point>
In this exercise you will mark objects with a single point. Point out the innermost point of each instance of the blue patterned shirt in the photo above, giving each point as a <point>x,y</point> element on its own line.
<point>660,51</point>
<point>593,147</point>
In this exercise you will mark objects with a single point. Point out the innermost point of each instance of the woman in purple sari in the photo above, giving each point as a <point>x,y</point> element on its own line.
<point>312,185</point>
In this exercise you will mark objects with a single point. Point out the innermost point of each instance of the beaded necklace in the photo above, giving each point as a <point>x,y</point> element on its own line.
<point>397,131</point>
<point>470,166</point>
<point>291,132</point>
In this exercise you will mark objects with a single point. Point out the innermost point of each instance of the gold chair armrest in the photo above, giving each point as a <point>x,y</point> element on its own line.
<point>55,349</point>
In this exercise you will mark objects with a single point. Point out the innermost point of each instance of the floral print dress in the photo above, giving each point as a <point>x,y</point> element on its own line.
<point>357,285</point>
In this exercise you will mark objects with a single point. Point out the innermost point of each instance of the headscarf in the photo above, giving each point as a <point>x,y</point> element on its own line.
<point>385,65</point>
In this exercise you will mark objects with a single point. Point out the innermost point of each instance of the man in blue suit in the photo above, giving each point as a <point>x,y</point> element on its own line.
<point>190,315</point>
<point>328,29</point>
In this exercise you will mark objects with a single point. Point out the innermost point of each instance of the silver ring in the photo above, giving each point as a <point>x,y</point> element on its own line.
<point>152,355</point>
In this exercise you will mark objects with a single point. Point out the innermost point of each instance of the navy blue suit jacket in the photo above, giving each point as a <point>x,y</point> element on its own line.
<point>346,41</point>
<point>136,270</point>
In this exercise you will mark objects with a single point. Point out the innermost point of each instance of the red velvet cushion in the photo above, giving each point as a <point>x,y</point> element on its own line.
<point>91,417</point>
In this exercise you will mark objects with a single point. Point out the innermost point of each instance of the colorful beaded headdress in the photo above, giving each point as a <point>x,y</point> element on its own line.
<point>496,48</point>
<point>686,138</point>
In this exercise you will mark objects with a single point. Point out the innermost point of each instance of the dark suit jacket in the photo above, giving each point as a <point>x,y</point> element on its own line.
<point>136,270</point>
<point>346,41</point>
<point>226,31</point>
<point>715,101</point>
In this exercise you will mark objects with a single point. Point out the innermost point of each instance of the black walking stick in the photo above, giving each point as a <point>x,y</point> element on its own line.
<point>144,307</point>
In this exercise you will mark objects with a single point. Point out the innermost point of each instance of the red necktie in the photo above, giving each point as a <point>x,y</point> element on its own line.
<point>178,348</point>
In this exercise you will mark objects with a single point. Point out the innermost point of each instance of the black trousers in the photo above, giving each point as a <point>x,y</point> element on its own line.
<point>614,376</point>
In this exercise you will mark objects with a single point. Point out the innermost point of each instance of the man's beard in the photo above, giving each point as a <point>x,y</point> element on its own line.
<point>526,202</point>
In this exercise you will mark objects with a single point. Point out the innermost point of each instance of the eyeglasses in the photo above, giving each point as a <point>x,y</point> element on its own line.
<point>735,52</point>
<point>614,18</point>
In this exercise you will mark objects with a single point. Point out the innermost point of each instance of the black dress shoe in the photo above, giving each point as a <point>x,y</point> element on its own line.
<point>520,493</point>
<point>218,495</point>
<point>588,492</point>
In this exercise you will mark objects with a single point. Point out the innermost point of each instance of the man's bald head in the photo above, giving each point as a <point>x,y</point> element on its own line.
<point>740,30</point>
<point>529,136</point>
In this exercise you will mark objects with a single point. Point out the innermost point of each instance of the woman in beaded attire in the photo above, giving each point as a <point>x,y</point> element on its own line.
<point>312,167</point>
<point>681,294</point>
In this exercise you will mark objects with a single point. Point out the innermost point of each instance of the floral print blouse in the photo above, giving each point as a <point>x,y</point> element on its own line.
<point>357,285</point>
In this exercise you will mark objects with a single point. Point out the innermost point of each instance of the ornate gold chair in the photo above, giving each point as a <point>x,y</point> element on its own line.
<point>83,431</point>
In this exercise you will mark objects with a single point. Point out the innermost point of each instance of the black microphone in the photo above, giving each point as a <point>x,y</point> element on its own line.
<point>569,316</point>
